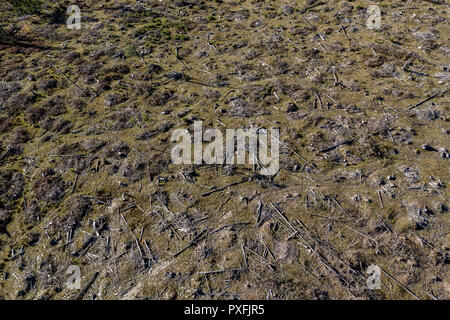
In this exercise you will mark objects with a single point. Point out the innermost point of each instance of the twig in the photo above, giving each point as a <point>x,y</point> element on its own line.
<point>224,203</point>
<point>141,154</point>
<point>193,242</point>
<point>224,187</point>
<point>347,142</point>
<point>362,234</point>
<point>220,271</point>
<point>86,288</point>
<point>6,152</point>
<point>381,200</point>
<point>62,73</point>
<point>75,183</point>
<point>132,233</point>
<point>245,257</point>
<point>400,284</point>
<point>427,99</point>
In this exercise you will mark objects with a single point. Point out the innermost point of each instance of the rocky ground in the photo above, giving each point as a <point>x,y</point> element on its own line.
<point>86,177</point>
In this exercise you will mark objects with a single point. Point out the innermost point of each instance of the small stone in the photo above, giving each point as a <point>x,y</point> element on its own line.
<point>174,75</point>
<point>201,54</point>
<point>122,184</point>
<point>112,100</point>
<point>410,174</point>
<point>119,55</point>
<point>367,199</point>
<point>256,23</point>
<point>417,215</point>
<point>288,9</point>
<point>440,207</point>
<point>444,153</point>
<point>427,147</point>
<point>291,107</point>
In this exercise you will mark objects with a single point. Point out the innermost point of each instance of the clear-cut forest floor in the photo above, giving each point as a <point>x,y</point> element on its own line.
<point>86,177</point>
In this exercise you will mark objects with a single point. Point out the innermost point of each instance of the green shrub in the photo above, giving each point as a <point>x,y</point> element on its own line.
<point>4,36</point>
<point>26,6</point>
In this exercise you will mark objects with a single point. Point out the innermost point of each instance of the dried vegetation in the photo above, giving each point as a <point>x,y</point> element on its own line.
<point>86,178</point>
